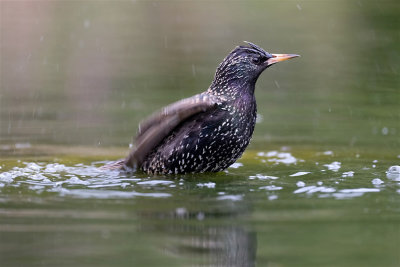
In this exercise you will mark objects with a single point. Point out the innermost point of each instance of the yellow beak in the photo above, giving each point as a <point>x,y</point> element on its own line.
<point>280,57</point>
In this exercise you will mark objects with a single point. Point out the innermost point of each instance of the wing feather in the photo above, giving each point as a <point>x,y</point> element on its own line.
<point>159,125</point>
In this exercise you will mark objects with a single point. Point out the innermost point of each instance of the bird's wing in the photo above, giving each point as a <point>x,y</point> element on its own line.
<point>155,128</point>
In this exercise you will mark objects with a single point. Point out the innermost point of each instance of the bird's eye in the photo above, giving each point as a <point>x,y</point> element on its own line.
<point>257,60</point>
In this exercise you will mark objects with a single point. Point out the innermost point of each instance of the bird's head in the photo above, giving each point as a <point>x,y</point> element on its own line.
<point>245,64</point>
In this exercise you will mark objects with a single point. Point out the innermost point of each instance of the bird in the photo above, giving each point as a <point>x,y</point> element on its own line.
<point>209,131</point>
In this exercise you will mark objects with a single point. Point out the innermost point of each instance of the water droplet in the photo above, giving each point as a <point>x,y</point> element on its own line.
<point>393,173</point>
<point>300,184</point>
<point>86,23</point>
<point>377,181</point>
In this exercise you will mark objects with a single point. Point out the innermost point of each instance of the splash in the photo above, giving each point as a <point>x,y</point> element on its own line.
<point>80,181</point>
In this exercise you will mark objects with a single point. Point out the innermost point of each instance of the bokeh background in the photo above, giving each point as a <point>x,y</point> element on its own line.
<point>86,72</point>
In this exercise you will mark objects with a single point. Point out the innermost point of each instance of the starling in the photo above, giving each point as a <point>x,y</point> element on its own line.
<point>207,132</point>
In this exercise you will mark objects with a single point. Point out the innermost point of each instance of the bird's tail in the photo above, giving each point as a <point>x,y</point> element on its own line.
<point>114,165</point>
<point>119,165</point>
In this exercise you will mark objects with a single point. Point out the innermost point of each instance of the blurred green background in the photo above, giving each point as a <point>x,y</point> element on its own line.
<point>76,78</point>
<point>86,72</point>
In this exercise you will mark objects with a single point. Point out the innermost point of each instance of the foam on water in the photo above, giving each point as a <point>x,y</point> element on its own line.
<point>279,157</point>
<point>393,173</point>
<point>300,184</point>
<point>271,187</point>
<point>155,182</point>
<point>334,166</point>
<point>348,174</point>
<point>82,181</point>
<point>314,189</point>
<point>236,165</point>
<point>377,181</point>
<point>299,174</point>
<point>262,177</point>
<point>230,197</point>
<point>87,181</point>
<point>208,185</point>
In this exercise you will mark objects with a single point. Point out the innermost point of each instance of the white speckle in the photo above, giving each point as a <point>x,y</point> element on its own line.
<point>200,216</point>
<point>313,189</point>
<point>7,177</point>
<point>285,158</point>
<point>334,166</point>
<point>272,197</point>
<point>236,165</point>
<point>394,169</point>
<point>328,153</point>
<point>208,185</point>
<point>180,212</point>
<point>299,174</point>
<point>33,166</point>
<point>271,187</point>
<point>259,118</point>
<point>263,177</point>
<point>360,190</point>
<point>377,181</point>
<point>385,130</point>
<point>86,23</point>
<point>300,184</point>
<point>393,173</point>
<point>231,197</point>
<point>348,174</point>
<point>75,180</point>
<point>155,182</point>
<point>278,157</point>
<point>298,6</point>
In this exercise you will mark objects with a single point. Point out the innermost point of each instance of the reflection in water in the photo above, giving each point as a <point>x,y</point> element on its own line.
<point>216,245</point>
<point>224,246</point>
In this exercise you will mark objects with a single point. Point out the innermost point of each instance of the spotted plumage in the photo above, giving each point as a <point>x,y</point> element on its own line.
<point>209,131</point>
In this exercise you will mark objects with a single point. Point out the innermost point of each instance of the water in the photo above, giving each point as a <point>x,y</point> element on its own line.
<point>319,184</point>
